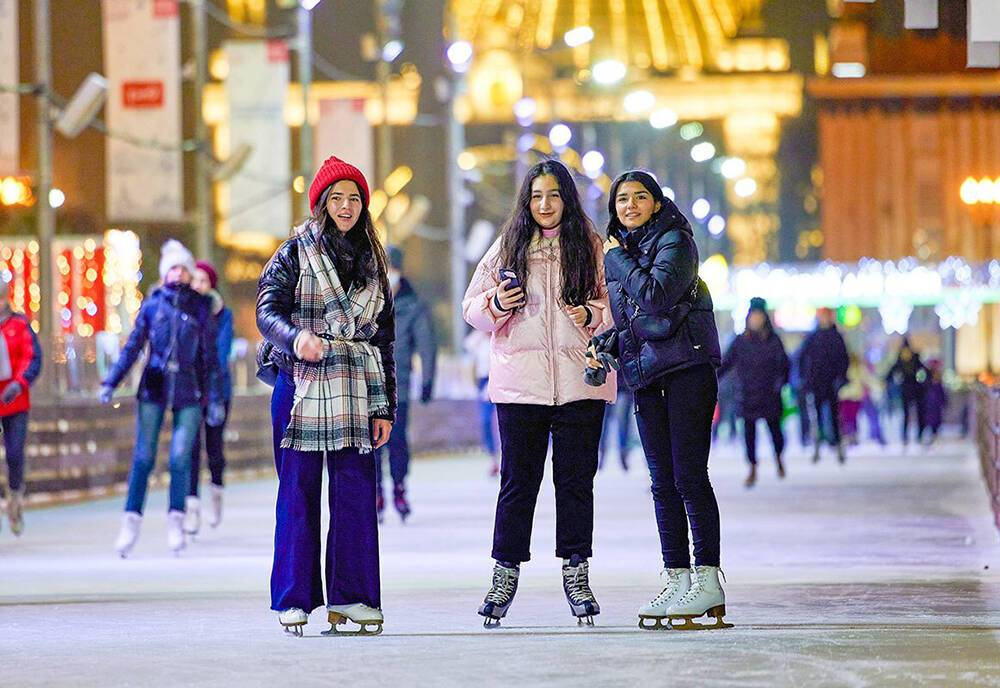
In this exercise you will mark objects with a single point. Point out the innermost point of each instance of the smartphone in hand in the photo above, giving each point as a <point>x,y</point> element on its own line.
<point>508,274</point>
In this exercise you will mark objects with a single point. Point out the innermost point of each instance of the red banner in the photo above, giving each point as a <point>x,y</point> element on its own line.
<point>142,94</point>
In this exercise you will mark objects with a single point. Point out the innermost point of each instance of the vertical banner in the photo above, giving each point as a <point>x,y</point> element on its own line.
<point>10,132</point>
<point>142,65</point>
<point>344,130</point>
<point>260,194</point>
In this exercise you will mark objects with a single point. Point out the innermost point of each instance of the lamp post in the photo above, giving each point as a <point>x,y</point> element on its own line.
<point>305,79</point>
<point>46,213</point>
<point>982,198</point>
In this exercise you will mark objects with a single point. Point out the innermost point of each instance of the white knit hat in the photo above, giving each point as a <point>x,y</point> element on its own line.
<point>173,254</point>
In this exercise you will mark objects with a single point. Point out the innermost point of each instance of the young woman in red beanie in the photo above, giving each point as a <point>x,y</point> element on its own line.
<point>210,440</point>
<point>325,309</point>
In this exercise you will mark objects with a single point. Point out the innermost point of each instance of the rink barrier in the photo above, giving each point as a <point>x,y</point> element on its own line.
<point>987,403</point>
<point>82,450</point>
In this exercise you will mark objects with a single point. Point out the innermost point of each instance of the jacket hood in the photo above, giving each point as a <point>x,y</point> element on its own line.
<point>217,301</point>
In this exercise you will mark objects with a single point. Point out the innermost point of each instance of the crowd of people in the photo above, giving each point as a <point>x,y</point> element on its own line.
<point>564,323</point>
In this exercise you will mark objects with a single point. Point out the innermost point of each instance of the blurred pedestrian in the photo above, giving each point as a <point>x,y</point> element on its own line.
<point>824,363</point>
<point>801,400</point>
<point>762,367</point>
<point>935,401</point>
<point>619,416</point>
<point>324,307</point>
<point>211,439</point>
<point>477,344</point>
<point>909,374</point>
<point>414,336</point>
<point>851,397</point>
<point>20,365</point>
<point>181,375</point>
<point>668,351</point>
<point>540,291</point>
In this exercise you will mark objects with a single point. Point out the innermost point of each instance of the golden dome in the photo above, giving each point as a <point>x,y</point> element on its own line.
<point>660,34</point>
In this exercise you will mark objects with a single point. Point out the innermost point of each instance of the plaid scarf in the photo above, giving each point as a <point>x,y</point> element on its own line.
<point>336,397</point>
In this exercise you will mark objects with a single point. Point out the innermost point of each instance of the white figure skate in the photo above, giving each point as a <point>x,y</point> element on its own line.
<point>216,517</point>
<point>192,515</point>
<point>368,619</point>
<point>704,598</point>
<point>175,531</point>
<point>292,620</point>
<point>674,584</point>
<point>128,535</point>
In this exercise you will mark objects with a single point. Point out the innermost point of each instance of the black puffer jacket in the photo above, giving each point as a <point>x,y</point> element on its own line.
<point>276,301</point>
<point>652,282</point>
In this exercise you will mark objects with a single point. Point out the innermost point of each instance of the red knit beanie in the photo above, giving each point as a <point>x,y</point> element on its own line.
<point>334,170</point>
<point>213,276</point>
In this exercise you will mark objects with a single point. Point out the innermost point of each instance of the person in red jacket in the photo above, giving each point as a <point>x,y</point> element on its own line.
<point>18,356</point>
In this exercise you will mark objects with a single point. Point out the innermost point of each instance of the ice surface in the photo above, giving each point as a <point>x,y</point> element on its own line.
<point>869,575</point>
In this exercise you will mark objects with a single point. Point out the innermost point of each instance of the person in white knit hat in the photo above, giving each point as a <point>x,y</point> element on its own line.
<point>182,375</point>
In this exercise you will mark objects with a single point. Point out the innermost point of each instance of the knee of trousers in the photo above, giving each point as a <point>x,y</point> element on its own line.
<point>692,486</point>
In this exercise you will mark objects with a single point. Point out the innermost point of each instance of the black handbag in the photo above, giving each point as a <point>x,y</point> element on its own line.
<point>267,370</point>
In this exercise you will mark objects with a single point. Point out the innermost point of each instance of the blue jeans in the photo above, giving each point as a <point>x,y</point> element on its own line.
<point>487,412</point>
<point>15,432</point>
<point>399,449</point>
<point>149,419</point>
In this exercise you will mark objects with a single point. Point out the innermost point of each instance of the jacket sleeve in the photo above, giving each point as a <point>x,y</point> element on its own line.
<point>385,341</point>
<point>225,337</point>
<point>24,354</point>
<point>477,306</point>
<point>133,346</point>
<point>600,308</point>
<point>661,287</point>
<point>211,373</point>
<point>426,341</point>
<point>729,358</point>
<point>35,367</point>
<point>843,360</point>
<point>786,364</point>
<point>276,298</point>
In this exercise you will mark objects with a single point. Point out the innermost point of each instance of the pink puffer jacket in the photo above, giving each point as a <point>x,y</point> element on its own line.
<point>537,354</point>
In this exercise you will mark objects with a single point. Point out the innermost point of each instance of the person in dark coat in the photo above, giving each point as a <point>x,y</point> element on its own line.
<point>823,364</point>
<point>181,375</point>
<point>761,365</point>
<point>909,375</point>
<point>935,401</point>
<point>414,335</point>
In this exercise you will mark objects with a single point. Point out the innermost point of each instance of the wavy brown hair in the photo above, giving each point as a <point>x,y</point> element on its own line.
<point>576,236</point>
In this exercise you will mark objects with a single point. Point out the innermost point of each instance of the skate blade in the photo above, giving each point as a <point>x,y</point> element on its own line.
<point>585,620</point>
<point>491,622</point>
<point>687,621</point>
<point>294,629</point>
<point>659,623</point>
<point>364,627</point>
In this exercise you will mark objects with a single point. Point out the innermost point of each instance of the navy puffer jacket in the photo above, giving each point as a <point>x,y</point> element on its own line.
<point>663,311</point>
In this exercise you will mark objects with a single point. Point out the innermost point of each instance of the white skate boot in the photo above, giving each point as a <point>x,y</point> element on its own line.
<point>367,618</point>
<point>192,515</point>
<point>293,620</point>
<point>15,512</point>
<point>175,531</point>
<point>216,517</point>
<point>129,533</point>
<point>674,583</point>
<point>704,598</point>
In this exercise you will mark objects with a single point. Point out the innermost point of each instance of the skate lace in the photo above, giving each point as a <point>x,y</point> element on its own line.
<point>503,585</point>
<point>577,582</point>
<point>669,591</point>
<point>697,585</point>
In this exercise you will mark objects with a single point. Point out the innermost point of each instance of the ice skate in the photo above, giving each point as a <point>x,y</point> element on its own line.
<point>192,516</point>
<point>15,512</point>
<point>500,596</point>
<point>399,501</point>
<point>216,517</point>
<point>129,533</point>
<point>816,454</point>
<point>368,619</point>
<point>175,531</point>
<point>841,456</point>
<point>576,585</point>
<point>674,584</point>
<point>380,505</point>
<point>781,467</point>
<point>704,598</point>
<point>751,477</point>
<point>293,620</point>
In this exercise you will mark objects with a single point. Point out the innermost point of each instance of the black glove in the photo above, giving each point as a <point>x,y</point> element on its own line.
<point>10,392</point>
<point>595,377</point>
<point>427,393</point>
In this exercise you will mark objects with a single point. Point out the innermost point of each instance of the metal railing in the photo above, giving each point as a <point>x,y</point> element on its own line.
<point>987,404</point>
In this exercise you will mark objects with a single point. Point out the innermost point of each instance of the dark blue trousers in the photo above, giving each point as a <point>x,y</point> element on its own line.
<point>352,565</point>
<point>399,448</point>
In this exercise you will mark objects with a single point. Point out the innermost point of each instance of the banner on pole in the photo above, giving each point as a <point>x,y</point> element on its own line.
<point>259,198</point>
<point>344,130</point>
<point>10,121</point>
<point>142,65</point>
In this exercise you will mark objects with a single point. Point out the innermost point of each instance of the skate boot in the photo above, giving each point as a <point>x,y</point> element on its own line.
<point>175,531</point>
<point>15,512</point>
<point>704,598</point>
<point>501,595</point>
<point>751,477</point>
<point>129,533</point>
<point>292,620</point>
<point>192,516</point>
<point>380,505</point>
<point>781,467</point>
<point>368,619</point>
<point>576,585</point>
<point>816,454</point>
<point>674,583</point>
<point>841,456</point>
<point>399,501</point>
<point>216,517</point>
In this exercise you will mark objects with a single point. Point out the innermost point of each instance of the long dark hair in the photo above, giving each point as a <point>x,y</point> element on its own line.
<point>576,236</point>
<point>668,210</point>
<point>358,254</point>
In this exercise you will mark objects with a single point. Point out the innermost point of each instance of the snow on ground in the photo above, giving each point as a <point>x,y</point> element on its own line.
<point>880,573</point>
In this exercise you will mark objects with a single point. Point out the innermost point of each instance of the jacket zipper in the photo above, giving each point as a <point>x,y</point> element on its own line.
<point>548,320</point>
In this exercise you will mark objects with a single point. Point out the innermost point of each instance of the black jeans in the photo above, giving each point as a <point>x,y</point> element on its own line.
<point>525,429</point>
<point>15,434</point>
<point>675,425</point>
<point>211,440</point>
<point>399,449</point>
<point>828,399</point>
<point>750,435</point>
<point>913,405</point>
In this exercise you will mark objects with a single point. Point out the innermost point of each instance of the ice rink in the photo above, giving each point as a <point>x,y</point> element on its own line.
<point>880,573</point>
